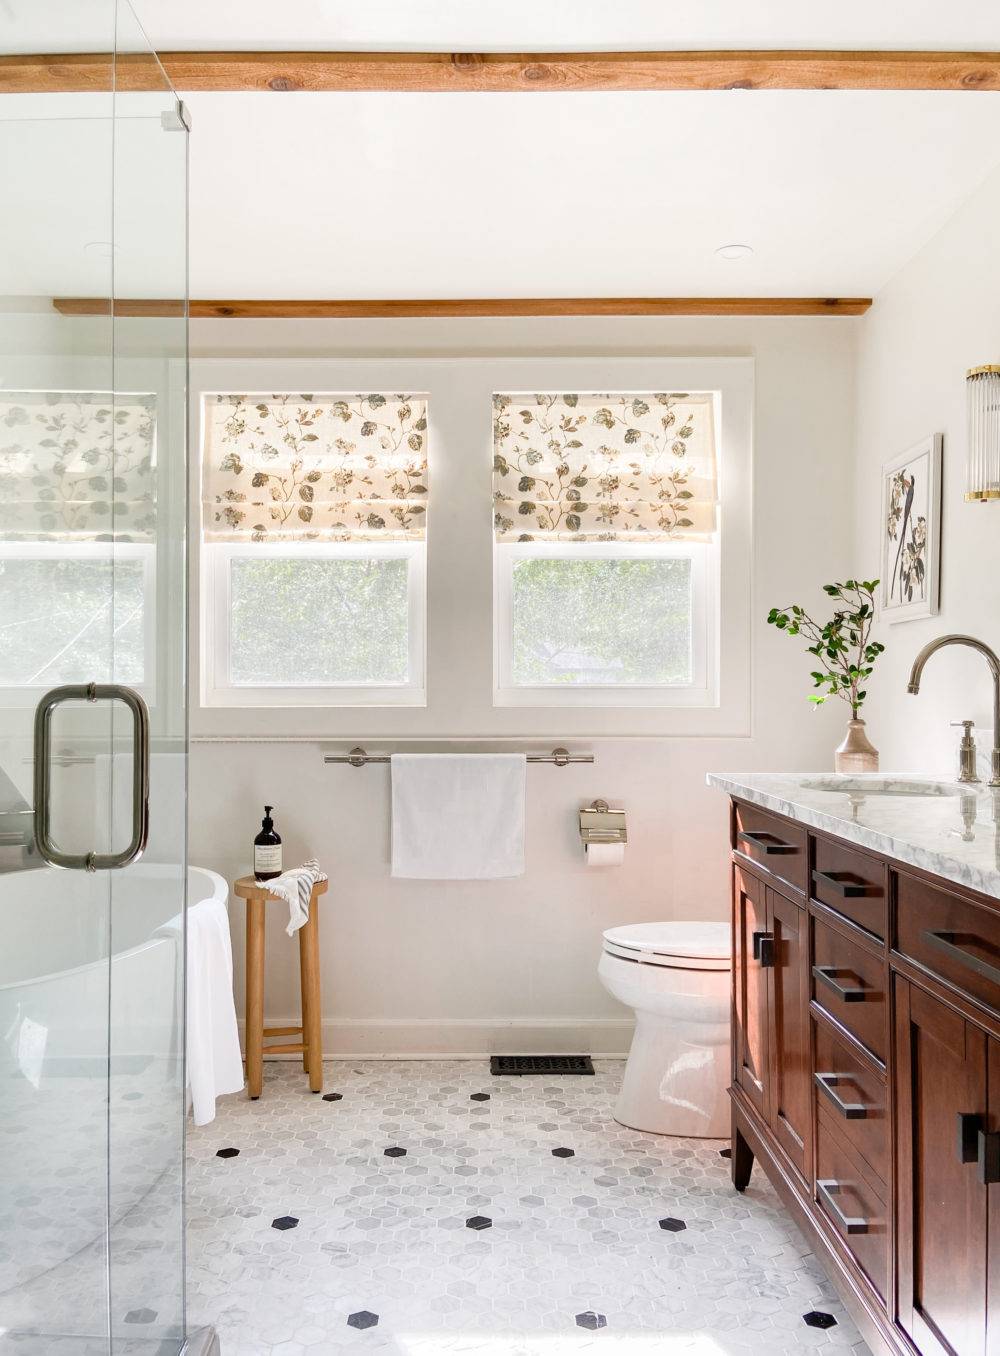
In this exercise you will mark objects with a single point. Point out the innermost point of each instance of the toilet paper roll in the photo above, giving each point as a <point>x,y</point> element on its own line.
<point>605,854</point>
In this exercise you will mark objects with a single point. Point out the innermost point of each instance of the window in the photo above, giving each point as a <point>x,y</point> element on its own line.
<point>606,549</point>
<point>313,522</point>
<point>77,540</point>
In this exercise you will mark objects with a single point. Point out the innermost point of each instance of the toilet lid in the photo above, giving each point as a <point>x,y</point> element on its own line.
<point>699,946</point>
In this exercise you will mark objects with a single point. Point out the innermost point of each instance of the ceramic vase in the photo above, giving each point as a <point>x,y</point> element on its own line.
<point>857,753</point>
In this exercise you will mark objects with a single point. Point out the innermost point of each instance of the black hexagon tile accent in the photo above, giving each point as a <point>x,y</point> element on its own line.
<point>591,1320</point>
<point>141,1316</point>
<point>725,1153</point>
<point>479,1222</point>
<point>479,1097</point>
<point>394,1151</point>
<point>333,1097</point>
<point>284,1222</point>
<point>673,1226</point>
<point>816,1318</point>
<point>364,1318</point>
<point>227,1153</point>
<point>563,1153</point>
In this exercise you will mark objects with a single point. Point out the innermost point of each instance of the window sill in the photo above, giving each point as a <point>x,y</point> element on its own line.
<point>300,698</point>
<point>608,698</point>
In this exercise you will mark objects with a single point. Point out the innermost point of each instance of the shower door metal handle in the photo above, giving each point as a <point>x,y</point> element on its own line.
<point>92,692</point>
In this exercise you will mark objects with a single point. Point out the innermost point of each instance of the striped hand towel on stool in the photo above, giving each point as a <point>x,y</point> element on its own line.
<point>295,888</point>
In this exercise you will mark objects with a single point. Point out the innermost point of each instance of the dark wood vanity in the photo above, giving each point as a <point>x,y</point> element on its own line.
<point>866,1075</point>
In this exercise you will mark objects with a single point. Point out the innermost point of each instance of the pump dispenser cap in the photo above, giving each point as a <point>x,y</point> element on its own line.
<point>267,821</point>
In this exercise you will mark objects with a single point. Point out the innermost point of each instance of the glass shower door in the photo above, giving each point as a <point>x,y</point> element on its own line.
<point>92,624</point>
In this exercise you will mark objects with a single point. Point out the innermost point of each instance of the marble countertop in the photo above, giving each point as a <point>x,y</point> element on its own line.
<point>950,830</point>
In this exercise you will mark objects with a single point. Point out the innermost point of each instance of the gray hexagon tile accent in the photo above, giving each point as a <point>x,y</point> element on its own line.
<point>569,1237</point>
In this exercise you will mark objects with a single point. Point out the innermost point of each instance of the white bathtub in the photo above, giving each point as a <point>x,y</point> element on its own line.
<point>74,946</point>
<point>59,929</point>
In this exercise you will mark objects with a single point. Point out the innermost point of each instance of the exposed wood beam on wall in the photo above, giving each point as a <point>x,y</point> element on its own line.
<point>436,72</point>
<point>472,306</point>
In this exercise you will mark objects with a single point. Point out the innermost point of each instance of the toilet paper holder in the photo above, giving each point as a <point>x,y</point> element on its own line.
<point>599,823</point>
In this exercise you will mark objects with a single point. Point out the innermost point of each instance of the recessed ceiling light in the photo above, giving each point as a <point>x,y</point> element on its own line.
<point>734,251</point>
<point>103,248</point>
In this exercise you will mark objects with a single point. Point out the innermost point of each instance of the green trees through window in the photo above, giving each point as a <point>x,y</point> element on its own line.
<point>71,620</point>
<point>301,622</point>
<point>601,621</point>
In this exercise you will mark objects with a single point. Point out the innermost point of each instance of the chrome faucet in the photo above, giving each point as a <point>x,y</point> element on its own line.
<point>913,686</point>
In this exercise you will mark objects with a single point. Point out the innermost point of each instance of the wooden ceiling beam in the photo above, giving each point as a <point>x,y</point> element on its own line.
<point>505,72</point>
<point>471,306</point>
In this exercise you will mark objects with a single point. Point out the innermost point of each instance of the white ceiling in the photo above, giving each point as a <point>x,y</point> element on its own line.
<point>455,195</point>
<point>580,194</point>
<point>520,25</point>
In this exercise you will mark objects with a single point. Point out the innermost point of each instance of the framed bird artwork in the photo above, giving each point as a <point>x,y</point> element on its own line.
<point>911,532</point>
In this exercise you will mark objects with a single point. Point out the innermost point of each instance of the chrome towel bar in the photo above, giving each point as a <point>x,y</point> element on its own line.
<point>358,757</point>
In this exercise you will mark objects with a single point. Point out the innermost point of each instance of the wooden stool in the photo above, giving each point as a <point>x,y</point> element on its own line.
<point>256,894</point>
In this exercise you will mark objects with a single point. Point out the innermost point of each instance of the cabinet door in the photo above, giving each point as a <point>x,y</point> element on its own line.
<point>790,1050</point>
<point>940,1076</point>
<point>750,1045</point>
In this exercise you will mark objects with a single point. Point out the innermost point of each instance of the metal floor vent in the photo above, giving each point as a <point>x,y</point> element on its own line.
<point>541,1064</point>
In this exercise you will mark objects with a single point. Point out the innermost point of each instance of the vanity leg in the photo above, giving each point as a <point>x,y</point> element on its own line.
<point>741,1162</point>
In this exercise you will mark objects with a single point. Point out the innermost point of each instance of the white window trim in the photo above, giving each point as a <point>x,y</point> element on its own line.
<point>217,688</point>
<point>700,692</point>
<point>26,694</point>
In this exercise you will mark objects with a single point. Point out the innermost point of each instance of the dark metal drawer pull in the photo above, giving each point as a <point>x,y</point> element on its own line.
<point>851,1111</point>
<point>763,949</point>
<point>988,1153</point>
<point>976,1145</point>
<point>950,944</point>
<point>969,1128</point>
<point>826,973</point>
<point>846,889</point>
<point>766,842</point>
<point>827,1191</point>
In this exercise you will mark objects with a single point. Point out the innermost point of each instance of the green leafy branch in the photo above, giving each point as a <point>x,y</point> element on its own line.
<point>843,645</point>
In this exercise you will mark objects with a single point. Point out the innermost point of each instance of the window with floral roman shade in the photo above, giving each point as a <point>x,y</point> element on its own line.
<point>77,466</point>
<point>594,468</point>
<point>78,527</point>
<point>315,468</point>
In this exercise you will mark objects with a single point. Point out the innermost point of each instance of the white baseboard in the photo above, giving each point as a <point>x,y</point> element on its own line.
<point>422,1038</point>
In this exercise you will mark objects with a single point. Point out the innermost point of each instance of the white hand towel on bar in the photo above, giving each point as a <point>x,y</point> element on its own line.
<point>295,888</point>
<point>458,816</point>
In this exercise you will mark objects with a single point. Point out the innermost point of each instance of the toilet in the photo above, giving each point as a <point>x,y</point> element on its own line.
<point>676,977</point>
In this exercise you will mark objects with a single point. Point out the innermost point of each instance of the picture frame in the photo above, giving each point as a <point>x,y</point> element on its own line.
<point>911,532</point>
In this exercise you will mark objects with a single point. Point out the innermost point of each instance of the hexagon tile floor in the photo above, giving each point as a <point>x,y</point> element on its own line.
<point>429,1209</point>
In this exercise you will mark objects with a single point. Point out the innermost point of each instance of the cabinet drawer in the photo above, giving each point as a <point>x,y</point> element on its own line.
<point>849,985</point>
<point>773,843</point>
<point>950,936</point>
<point>850,882</point>
<point>854,1096</point>
<point>848,1197</point>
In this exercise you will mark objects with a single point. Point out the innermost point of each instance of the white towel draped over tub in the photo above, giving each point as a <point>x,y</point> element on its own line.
<point>295,888</point>
<point>458,816</point>
<point>214,1062</point>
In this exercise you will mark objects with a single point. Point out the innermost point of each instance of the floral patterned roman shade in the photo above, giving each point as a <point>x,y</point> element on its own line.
<point>579,468</point>
<point>282,468</point>
<point>77,466</point>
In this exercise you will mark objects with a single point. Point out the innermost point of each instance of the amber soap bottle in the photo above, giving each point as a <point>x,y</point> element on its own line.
<point>267,849</point>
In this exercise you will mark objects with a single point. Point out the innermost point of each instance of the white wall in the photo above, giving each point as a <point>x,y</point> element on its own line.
<point>939,316</point>
<point>412,966</point>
